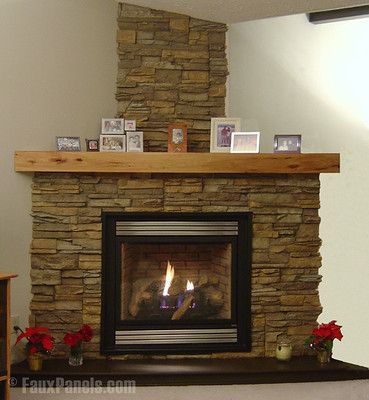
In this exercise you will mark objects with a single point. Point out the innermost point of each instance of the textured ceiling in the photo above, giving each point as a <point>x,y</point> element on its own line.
<point>230,11</point>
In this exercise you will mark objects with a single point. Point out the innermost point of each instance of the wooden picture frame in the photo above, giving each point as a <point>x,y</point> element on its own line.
<point>221,133</point>
<point>92,144</point>
<point>177,138</point>
<point>287,143</point>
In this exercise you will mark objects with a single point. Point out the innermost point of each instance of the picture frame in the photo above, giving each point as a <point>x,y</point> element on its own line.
<point>130,125</point>
<point>221,133</point>
<point>177,138</point>
<point>92,144</point>
<point>68,143</point>
<point>112,126</point>
<point>245,142</point>
<point>134,142</point>
<point>112,143</point>
<point>287,143</point>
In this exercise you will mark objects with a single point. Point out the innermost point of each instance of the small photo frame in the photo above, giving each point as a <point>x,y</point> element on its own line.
<point>112,126</point>
<point>113,143</point>
<point>68,143</point>
<point>245,142</point>
<point>177,138</point>
<point>92,144</point>
<point>287,144</point>
<point>135,141</point>
<point>129,125</point>
<point>221,133</point>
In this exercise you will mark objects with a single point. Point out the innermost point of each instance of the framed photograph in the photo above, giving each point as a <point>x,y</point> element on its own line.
<point>287,144</point>
<point>129,125</point>
<point>177,138</point>
<point>221,133</point>
<point>112,126</point>
<point>68,143</point>
<point>245,142</point>
<point>112,142</point>
<point>92,144</point>
<point>135,141</point>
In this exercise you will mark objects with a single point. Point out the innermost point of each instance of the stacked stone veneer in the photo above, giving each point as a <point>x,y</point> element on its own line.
<point>66,246</point>
<point>172,68</point>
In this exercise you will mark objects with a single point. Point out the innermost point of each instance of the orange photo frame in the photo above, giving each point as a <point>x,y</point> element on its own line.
<point>177,138</point>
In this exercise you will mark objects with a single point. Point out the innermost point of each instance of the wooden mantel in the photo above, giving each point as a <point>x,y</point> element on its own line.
<point>201,163</point>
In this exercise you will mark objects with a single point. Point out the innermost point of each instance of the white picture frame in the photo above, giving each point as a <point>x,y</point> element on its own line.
<point>134,142</point>
<point>112,143</point>
<point>112,126</point>
<point>130,125</point>
<point>221,133</point>
<point>245,142</point>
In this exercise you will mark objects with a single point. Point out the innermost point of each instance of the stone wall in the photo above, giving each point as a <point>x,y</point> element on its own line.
<point>172,68</point>
<point>66,246</point>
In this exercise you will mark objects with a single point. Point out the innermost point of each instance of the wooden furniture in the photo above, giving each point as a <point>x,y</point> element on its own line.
<point>5,334</point>
<point>198,163</point>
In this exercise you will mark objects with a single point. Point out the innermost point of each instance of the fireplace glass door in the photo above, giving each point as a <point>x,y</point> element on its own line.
<point>176,283</point>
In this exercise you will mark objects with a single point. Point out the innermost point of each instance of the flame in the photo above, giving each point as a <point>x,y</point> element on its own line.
<point>168,279</point>
<point>189,286</point>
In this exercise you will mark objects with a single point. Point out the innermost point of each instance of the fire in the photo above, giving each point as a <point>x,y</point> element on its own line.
<point>168,279</point>
<point>190,286</point>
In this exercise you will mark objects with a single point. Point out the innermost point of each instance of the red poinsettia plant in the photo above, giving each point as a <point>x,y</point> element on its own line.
<point>38,340</point>
<point>322,337</point>
<point>85,334</point>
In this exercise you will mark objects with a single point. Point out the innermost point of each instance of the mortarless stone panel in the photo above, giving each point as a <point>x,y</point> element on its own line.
<point>66,246</point>
<point>172,68</point>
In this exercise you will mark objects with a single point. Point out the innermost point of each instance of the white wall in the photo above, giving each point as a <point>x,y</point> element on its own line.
<point>289,76</point>
<point>57,77</point>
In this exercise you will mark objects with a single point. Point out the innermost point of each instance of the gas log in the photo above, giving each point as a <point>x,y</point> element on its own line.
<point>206,300</point>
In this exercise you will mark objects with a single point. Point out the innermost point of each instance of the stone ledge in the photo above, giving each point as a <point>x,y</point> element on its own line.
<point>195,371</point>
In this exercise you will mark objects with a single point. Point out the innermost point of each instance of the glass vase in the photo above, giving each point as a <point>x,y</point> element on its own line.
<point>76,355</point>
<point>283,351</point>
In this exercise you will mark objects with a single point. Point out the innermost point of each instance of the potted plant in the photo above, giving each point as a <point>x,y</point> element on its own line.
<point>74,341</point>
<point>321,340</point>
<point>39,342</point>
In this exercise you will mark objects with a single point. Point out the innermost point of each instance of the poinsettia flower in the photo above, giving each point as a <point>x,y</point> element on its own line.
<point>30,332</point>
<point>71,339</point>
<point>324,335</point>
<point>47,342</point>
<point>86,333</point>
<point>33,350</point>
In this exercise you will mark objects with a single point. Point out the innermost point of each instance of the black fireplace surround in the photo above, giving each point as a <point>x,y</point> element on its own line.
<point>140,316</point>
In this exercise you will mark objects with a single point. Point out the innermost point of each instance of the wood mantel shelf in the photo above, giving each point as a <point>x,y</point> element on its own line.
<point>198,163</point>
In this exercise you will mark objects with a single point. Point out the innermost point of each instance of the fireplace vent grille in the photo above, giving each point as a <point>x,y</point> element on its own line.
<point>170,336</point>
<point>177,228</point>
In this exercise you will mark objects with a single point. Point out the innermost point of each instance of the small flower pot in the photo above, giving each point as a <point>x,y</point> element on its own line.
<point>323,356</point>
<point>35,362</point>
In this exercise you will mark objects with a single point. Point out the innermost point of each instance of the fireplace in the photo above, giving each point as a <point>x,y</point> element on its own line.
<point>176,283</point>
